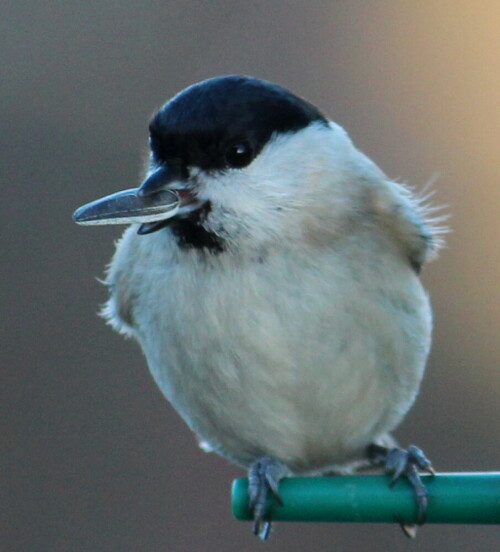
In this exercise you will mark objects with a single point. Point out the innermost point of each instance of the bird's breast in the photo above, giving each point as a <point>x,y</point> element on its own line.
<point>304,358</point>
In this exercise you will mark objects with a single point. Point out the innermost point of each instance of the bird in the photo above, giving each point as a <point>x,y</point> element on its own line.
<point>270,273</point>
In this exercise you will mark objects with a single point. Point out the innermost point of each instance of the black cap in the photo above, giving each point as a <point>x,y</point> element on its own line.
<point>198,125</point>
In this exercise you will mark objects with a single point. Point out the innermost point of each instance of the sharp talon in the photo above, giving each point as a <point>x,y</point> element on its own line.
<point>398,472</point>
<point>262,529</point>
<point>264,532</point>
<point>409,530</point>
<point>273,487</point>
<point>273,475</point>
<point>418,458</point>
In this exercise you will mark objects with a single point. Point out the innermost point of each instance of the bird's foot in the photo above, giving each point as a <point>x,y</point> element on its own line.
<point>406,463</point>
<point>263,478</point>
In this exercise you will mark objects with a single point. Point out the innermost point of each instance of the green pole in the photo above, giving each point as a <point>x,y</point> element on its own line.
<point>453,498</point>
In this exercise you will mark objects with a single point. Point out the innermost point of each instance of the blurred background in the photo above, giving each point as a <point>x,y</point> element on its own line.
<point>93,458</point>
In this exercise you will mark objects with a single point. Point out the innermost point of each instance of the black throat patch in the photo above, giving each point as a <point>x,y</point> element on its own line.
<point>191,234</point>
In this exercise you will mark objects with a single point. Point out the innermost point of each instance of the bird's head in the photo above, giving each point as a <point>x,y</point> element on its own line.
<point>234,159</point>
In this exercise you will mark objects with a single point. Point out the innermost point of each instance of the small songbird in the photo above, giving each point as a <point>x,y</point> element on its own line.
<point>270,275</point>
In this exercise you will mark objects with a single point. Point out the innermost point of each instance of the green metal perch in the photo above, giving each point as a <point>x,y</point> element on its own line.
<point>472,498</point>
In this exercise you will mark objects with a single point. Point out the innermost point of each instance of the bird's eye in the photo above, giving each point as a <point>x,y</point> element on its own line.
<point>239,155</point>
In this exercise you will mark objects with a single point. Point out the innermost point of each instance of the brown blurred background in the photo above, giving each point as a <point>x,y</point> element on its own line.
<point>93,458</point>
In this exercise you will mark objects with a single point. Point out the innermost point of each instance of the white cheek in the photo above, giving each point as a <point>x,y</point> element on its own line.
<point>268,198</point>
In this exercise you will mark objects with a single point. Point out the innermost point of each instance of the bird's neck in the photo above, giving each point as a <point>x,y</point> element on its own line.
<point>191,233</point>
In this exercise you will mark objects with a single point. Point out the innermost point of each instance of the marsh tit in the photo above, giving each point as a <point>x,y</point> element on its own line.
<point>270,275</point>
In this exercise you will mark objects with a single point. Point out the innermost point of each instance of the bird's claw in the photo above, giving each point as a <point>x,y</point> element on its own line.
<point>397,461</point>
<point>409,529</point>
<point>406,463</point>
<point>263,478</point>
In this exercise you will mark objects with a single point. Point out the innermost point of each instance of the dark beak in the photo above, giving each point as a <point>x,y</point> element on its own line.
<point>159,180</point>
<point>151,202</point>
